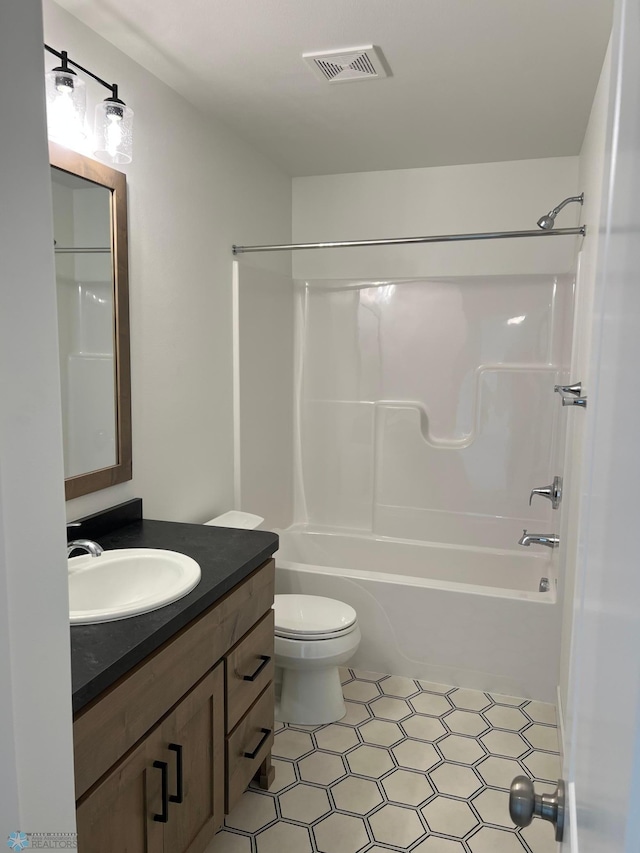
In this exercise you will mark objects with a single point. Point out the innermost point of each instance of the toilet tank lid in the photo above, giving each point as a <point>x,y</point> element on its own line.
<point>235,518</point>
<point>312,614</point>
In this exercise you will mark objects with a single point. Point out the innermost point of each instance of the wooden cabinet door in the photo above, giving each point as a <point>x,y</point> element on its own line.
<point>188,749</point>
<point>193,737</point>
<point>118,813</point>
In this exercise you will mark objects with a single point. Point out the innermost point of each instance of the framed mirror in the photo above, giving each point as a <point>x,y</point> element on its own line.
<point>92,283</point>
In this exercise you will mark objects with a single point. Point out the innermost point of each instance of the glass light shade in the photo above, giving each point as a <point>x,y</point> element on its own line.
<point>66,106</point>
<point>113,135</point>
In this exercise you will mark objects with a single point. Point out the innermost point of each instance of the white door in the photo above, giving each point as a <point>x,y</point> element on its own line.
<point>602,743</point>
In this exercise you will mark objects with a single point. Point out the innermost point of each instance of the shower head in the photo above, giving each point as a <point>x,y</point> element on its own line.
<point>547,222</point>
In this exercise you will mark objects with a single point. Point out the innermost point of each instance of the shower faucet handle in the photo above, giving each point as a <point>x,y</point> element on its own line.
<point>575,389</point>
<point>575,401</point>
<point>553,492</point>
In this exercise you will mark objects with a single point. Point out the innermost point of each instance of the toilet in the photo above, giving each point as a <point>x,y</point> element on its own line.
<point>313,637</point>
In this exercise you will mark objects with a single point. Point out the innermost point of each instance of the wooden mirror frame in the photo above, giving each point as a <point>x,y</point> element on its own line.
<point>76,164</point>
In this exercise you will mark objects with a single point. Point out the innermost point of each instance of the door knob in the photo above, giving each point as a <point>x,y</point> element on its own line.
<point>525,804</point>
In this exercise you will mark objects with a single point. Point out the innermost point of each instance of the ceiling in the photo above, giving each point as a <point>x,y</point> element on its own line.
<point>472,80</point>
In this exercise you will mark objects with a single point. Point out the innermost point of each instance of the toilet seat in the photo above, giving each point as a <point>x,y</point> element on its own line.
<point>312,638</point>
<point>312,617</point>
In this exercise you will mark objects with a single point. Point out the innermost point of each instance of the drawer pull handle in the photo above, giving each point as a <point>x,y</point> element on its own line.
<point>264,660</point>
<point>263,739</point>
<point>178,796</point>
<point>163,817</point>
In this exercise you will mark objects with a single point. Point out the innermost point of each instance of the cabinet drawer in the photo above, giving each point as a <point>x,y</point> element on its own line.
<point>248,745</point>
<point>249,668</point>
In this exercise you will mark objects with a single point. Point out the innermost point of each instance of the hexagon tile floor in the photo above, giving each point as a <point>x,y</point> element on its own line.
<point>413,766</point>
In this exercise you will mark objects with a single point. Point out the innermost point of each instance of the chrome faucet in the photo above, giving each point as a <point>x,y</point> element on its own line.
<point>553,492</point>
<point>575,389</point>
<point>571,395</point>
<point>85,545</point>
<point>548,539</point>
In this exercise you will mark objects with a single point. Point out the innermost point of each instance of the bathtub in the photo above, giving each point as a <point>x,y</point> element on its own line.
<point>470,617</point>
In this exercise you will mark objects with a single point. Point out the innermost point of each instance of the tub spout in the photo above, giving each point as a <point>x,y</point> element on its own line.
<point>548,539</point>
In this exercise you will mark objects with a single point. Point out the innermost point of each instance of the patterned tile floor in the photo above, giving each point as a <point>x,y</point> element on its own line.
<point>413,766</point>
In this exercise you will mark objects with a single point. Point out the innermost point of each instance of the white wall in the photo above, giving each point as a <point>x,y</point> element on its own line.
<point>194,190</point>
<point>36,765</point>
<point>444,200</point>
<point>591,170</point>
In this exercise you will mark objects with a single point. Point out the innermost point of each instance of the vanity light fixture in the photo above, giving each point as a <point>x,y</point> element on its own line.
<point>113,134</point>
<point>113,138</point>
<point>66,102</point>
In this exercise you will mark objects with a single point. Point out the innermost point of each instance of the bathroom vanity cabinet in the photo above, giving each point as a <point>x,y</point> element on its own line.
<point>169,748</point>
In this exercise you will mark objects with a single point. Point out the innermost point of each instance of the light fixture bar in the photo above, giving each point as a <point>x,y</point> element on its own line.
<point>63,56</point>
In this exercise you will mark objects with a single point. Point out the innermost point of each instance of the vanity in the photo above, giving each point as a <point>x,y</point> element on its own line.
<point>174,709</point>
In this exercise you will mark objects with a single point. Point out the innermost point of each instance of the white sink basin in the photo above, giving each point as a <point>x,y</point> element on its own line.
<point>127,582</point>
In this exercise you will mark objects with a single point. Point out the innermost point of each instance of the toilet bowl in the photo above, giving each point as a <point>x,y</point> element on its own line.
<point>313,637</point>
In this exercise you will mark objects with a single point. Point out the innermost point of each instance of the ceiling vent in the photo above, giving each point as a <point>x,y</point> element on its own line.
<point>345,66</point>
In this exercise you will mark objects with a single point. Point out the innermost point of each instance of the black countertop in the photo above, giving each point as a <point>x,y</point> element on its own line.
<point>102,653</point>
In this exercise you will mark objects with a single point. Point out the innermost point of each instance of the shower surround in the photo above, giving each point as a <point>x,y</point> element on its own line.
<point>425,414</point>
<point>426,408</point>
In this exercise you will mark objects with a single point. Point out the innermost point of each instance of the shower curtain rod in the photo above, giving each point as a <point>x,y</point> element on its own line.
<point>398,241</point>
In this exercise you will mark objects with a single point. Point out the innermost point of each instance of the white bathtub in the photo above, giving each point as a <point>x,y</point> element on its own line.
<point>472,617</point>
